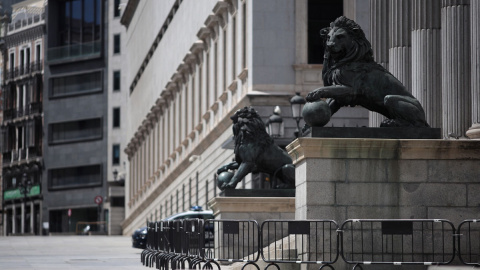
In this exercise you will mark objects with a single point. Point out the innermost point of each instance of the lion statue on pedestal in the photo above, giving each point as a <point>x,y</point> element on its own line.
<point>351,77</point>
<point>255,151</point>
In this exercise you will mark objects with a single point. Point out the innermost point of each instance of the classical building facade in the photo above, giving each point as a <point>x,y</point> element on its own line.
<point>186,77</point>
<point>22,125</point>
<point>190,67</point>
<point>432,47</point>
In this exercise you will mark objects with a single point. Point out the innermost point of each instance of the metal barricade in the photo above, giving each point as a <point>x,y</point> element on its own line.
<point>295,241</point>
<point>176,244</point>
<point>234,241</point>
<point>147,255</point>
<point>397,242</point>
<point>468,233</point>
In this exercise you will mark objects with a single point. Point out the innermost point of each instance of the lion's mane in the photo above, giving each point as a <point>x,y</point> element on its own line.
<point>361,52</point>
<point>248,127</point>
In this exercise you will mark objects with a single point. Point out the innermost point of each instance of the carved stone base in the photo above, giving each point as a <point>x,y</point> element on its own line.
<point>379,133</point>
<point>474,132</point>
<point>253,208</point>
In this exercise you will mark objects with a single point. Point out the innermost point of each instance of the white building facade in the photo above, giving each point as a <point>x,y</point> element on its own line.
<point>192,64</point>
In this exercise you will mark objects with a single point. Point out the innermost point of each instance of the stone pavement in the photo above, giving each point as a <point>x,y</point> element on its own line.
<point>68,252</point>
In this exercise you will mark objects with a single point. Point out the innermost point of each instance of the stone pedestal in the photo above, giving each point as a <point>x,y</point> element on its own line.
<point>343,179</point>
<point>253,208</point>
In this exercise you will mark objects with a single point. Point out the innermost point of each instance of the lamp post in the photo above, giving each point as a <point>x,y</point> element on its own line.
<point>297,102</point>
<point>275,123</point>
<point>24,187</point>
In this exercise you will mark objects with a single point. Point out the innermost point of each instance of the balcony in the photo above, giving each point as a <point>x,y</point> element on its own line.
<point>82,51</point>
<point>23,154</point>
<point>24,70</point>
<point>35,16</point>
<point>12,113</point>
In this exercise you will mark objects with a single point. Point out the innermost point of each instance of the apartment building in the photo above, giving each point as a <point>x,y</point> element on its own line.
<point>76,115</point>
<point>22,124</point>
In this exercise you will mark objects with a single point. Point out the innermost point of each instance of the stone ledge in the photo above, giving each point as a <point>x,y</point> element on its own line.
<point>375,133</point>
<point>252,205</point>
<point>353,148</point>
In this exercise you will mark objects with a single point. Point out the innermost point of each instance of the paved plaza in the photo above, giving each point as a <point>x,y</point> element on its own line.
<point>68,252</point>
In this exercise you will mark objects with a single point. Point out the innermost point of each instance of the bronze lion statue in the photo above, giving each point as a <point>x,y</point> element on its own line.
<point>351,77</point>
<point>255,151</point>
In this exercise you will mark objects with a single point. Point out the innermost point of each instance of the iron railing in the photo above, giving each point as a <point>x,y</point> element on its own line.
<point>397,242</point>
<point>204,244</point>
<point>300,241</point>
<point>233,241</point>
<point>468,243</point>
<point>179,244</point>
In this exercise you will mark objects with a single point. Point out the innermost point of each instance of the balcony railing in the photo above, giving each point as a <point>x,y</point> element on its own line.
<point>74,52</point>
<point>24,70</point>
<point>33,108</point>
<point>31,152</point>
<point>33,19</point>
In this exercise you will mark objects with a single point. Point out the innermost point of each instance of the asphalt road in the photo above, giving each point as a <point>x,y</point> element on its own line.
<point>69,252</point>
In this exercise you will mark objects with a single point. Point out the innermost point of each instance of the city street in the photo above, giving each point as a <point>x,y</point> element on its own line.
<point>68,252</point>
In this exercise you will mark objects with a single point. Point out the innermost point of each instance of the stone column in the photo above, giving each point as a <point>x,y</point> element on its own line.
<point>456,83</point>
<point>380,43</point>
<point>474,131</point>
<point>426,59</point>
<point>400,52</point>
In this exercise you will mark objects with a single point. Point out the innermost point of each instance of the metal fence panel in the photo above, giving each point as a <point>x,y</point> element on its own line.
<point>234,240</point>
<point>295,241</point>
<point>469,242</point>
<point>396,241</point>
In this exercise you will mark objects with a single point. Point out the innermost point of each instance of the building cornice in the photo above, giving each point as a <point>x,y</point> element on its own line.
<point>25,35</point>
<point>129,12</point>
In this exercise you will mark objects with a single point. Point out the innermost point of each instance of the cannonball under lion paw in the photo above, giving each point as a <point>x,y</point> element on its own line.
<point>316,114</point>
<point>224,178</point>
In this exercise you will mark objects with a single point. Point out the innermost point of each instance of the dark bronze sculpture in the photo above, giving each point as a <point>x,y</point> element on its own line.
<point>255,151</point>
<point>351,77</point>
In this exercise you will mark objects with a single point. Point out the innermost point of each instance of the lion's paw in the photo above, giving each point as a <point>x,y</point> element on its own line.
<point>314,95</point>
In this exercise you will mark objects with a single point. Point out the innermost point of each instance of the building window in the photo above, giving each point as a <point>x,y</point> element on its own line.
<point>116,117</point>
<point>76,84</point>
<point>116,154</point>
<point>38,52</point>
<point>74,131</point>
<point>75,177</point>
<point>320,14</point>
<point>79,21</point>
<point>12,61</point>
<point>116,43</point>
<point>116,80</point>
<point>116,8</point>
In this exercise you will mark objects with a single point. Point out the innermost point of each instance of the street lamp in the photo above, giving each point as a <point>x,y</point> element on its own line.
<point>24,187</point>
<point>297,103</point>
<point>275,123</point>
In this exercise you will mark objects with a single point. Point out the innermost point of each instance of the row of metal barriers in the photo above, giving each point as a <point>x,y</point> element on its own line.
<point>202,244</point>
